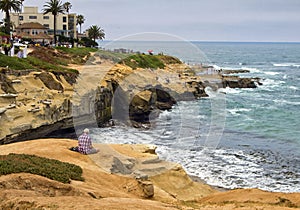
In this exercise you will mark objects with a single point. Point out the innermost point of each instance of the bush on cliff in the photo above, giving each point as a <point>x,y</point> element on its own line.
<point>143,61</point>
<point>166,59</point>
<point>50,168</point>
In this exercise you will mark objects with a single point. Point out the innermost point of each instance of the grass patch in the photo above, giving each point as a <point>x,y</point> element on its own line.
<point>166,59</point>
<point>77,51</point>
<point>32,62</point>
<point>77,55</point>
<point>50,168</point>
<point>113,56</point>
<point>14,63</point>
<point>143,61</point>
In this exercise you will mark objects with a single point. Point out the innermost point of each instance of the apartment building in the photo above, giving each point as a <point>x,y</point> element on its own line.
<point>65,23</point>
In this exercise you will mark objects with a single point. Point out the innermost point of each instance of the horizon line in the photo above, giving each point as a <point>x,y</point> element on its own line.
<point>208,41</point>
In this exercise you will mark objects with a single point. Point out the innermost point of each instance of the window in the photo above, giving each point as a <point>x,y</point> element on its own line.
<point>46,25</point>
<point>64,27</point>
<point>21,17</point>
<point>32,17</point>
<point>46,17</point>
<point>64,19</point>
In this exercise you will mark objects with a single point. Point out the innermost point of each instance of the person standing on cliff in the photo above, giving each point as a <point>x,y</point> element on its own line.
<point>85,143</point>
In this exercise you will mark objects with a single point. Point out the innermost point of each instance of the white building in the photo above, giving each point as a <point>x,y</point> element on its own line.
<point>65,23</point>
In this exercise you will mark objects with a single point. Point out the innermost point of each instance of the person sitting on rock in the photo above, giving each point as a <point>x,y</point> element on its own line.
<point>85,143</point>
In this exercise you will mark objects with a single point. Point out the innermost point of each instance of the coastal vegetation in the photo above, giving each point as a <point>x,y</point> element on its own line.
<point>149,61</point>
<point>49,59</point>
<point>49,168</point>
<point>112,56</point>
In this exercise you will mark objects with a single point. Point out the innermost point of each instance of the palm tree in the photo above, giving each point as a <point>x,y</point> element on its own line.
<point>96,32</point>
<point>80,20</point>
<point>67,6</point>
<point>7,6</point>
<point>54,7</point>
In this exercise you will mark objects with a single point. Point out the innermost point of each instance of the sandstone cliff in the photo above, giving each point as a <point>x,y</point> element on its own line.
<point>123,177</point>
<point>36,103</point>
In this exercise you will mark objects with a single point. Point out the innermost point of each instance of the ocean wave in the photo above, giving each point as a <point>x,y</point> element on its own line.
<point>286,65</point>
<point>252,70</point>
<point>238,111</point>
<point>229,90</point>
<point>236,168</point>
<point>271,73</point>
<point>293,88</point>
<point>271,83</point>
<point>283,101</point>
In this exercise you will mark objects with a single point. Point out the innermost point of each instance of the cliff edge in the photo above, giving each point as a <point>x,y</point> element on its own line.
<point>122,177</point>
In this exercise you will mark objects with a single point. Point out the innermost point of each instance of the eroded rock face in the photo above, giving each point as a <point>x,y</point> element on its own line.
<point>147,102</point>
<point>6,84</point>
<point>44,103</point>
<point>39,185</point>
<point>50,81</point>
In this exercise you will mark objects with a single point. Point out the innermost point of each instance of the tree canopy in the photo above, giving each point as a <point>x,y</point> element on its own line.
<point>7,6</point>
<point>54,7</point>
<point>67,6</point>
<point>96,32</point>
<point>80,20</point>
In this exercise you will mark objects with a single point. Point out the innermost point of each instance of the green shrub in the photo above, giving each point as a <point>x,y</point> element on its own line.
<point>50,168</point>
<point>143,61</point>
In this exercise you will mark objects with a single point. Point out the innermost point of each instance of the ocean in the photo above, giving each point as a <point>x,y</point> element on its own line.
<point>251,139</point>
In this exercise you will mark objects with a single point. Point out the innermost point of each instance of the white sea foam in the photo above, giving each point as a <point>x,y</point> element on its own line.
<point>271,73</point>
<point>271,83</point>
<point>237,111</point>
<point>287,65</point>
<point>216,67</point>
<point>283,101</point>
<point>252,70</point>
<point>229,90</point>
<point>293,88</point>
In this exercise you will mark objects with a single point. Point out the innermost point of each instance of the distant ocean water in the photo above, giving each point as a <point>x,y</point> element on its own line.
<point>260,145</point>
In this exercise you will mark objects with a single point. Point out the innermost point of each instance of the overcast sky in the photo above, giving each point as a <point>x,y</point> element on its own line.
<point>204,20</point>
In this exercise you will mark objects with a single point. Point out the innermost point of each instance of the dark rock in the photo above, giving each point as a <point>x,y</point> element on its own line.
<point>148,188</point>
<point>237,82</point>
<point>49,81</point>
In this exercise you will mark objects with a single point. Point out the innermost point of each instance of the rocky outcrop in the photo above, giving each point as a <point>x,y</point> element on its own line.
<point>49,81</point>
<point>238,82</point>
<point>169,189</point>
<point>36,103</point>
<point>43,102</point>
<point>140,94</point>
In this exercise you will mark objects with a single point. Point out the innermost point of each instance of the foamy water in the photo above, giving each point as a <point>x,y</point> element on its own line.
<point>260,145</point>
